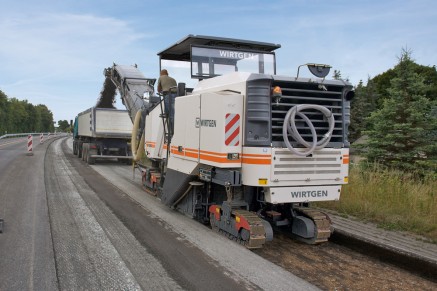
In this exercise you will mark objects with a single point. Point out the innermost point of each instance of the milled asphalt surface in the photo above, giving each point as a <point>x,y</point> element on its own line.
<point>408,251</point>
<point>236,261</point>
<point>157,258</point>
<point>85,256</point>
<point>68,228</point>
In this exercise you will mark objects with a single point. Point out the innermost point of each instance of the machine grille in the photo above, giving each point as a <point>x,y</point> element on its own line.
<point>294,93</point>
<point>322,165</point>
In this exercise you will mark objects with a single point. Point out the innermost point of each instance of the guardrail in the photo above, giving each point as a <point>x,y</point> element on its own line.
<point>9,135</point>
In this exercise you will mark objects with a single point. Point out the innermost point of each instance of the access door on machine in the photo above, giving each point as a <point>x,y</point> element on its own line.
<point>185,141</point>
<point>221,129</point>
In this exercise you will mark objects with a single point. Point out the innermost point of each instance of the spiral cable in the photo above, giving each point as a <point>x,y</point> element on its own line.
<point>289,128</point>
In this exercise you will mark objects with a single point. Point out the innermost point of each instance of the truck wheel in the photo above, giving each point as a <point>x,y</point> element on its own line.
<point>90,161</point>
<point>79,150</point>
<point>84,151</point>
<point>74,148</point>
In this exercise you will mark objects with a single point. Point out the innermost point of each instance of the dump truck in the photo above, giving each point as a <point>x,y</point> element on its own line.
<point>102,133</point>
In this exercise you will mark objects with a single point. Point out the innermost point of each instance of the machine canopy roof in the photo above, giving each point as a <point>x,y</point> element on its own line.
<point>180,51</point>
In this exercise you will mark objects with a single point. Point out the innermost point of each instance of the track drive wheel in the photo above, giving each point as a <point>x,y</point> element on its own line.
<point>321,224</point>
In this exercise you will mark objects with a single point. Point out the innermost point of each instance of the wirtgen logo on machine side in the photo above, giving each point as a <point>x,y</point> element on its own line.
<point>309,194</point>
<point>205,122</point>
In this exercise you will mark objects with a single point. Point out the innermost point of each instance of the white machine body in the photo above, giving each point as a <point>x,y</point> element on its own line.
<point>209,131</point>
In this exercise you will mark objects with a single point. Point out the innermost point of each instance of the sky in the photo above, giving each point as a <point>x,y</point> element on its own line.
<point>54,52</point>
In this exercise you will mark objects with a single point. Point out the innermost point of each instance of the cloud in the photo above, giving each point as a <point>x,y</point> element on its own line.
<point>358,40</point>
<point>48,58</point>
<point>54,44</point>
<point>54,52</point>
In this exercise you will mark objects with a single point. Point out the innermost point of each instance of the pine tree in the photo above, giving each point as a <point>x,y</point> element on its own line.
<point>336,75</point>
<point>403,133</point>
<point>363,104</point>
<point>383,81</point>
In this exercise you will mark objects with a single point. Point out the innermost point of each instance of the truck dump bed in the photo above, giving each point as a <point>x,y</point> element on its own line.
<point>104,123</point>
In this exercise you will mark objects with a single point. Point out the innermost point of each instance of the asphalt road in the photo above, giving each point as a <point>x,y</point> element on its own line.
<point>67,227</point>
<point>26,252</point>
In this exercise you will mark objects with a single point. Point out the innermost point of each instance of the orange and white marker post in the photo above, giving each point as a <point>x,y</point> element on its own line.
<point>29,145</point>
<point>41,138</point>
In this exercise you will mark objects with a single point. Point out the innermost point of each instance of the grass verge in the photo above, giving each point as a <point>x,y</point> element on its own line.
<point>391,199</point>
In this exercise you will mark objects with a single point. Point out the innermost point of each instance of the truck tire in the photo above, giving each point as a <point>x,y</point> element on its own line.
<point>89,159</point>
<point>79,149</point>
<point>74,148</point>
<point>84,151</point>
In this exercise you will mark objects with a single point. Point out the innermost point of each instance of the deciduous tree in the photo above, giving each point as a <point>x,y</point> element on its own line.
<point>18,116</point>
<point>63,125</point>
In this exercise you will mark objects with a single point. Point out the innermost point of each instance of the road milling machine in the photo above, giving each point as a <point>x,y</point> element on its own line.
<point>249,149</point>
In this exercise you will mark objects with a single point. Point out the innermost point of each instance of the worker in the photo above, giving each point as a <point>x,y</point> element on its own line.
<point>167,86</point>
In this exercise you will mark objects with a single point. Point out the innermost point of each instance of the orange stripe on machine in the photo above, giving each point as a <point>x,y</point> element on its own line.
<point>222,158</point>
<point>152,144</point>
<point>257,159</point>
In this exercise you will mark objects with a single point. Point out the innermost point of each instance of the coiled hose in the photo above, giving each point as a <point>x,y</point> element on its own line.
<point>137,146</point>
<point>289,128</point>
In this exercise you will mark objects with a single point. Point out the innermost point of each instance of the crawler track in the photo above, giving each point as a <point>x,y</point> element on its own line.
<point>253,239</point>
